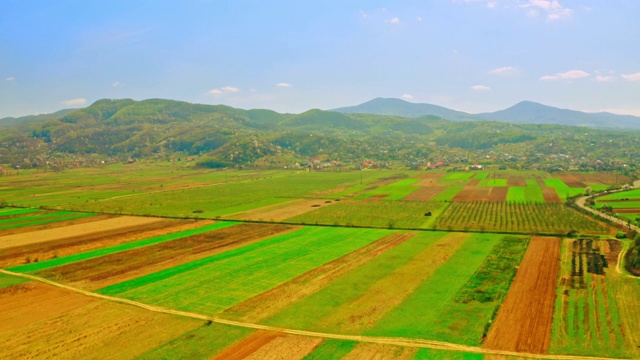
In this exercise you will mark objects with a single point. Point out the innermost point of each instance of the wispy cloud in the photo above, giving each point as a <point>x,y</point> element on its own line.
<point>230,89</point>
<point>602,78</point>
<point>394,20</point>
<point>407,96</point>
<point>75,102</point>
<point>223,90</point>
<point>480,88</point>
<point>569,75</point>
<point>551,9</point>
<point>117,84</point>
<point>631,77</point>
<point>492,4</point>
<point>504,71</point>
<point>10,78</point>
<point>284,84</point>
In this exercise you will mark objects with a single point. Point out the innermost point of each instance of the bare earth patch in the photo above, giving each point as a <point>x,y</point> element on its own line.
<point>289,347</point>
<point>368,351</point>
<point>280,212</point>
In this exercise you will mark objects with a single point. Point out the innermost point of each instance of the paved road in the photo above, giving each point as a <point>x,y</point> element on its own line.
<point>581,203</point>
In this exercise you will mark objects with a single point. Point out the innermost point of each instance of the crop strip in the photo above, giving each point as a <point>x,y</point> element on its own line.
<point>269,303</point>
<point>117,248</point>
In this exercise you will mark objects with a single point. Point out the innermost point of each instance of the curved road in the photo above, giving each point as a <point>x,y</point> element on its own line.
<point>580,202</point>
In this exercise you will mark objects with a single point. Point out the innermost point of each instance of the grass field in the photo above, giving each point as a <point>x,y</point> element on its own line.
<point>563,190</point>
<point>215,283</point>
<point>393,191</point>
<point>525,195</point>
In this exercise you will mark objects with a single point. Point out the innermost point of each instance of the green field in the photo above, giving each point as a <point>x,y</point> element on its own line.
<point>394,191</point>
<point>563,190</point>
<point>525,195</point>
<point>631,194</point>
<point>215,283</point>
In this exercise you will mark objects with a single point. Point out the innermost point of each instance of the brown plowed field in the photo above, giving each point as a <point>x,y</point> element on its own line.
<point>23,304</point>
<point>427,182</point>
<point>282,211</point>
<point>498,194</point>
<point>429,176</point>
<point>271,302</point>
<point>628,211</point>
<point>106,270</point>
<point>54,225</point>
<point>53,323</point>
<point>287,347</point>
<point>524,321</point>
<point>247,346</point>
<point>601,178</point>
<point>42,236</point>
<point>550,195</point>
<point>77,244</point>
<point>472,193</point>
<point>425,193</point>
<point>516,182</point>
<point>368,351</point>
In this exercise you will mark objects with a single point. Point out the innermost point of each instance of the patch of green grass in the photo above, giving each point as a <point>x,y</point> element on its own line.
<point>433,354</point>
<point>481,175</point>
<point>448,194</point>
<point>491,282</point>
<point>631,194</point>
<point>213,284</point>
<point>375,213</point>
<point>393,191</point>
<point>201,343</point>
<point>431,311</point>
<point>42,219</point>
<point>532,182</point>
<point>12,211</point>
<point>459,176</point>
<point>8,280</point>
<point>525,194</point>
<point>331,349</point>
<point>47,264</point>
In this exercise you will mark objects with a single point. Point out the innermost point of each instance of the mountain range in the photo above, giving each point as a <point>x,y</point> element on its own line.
<point>525,112</point>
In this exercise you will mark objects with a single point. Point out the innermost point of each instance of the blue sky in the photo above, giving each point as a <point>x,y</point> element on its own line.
<point>291,56</point>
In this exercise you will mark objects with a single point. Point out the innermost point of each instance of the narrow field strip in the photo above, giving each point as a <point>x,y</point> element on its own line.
<point>41,219</point>
<point>289,347</point>
<point>381,351</point>
<point>116,265</point>
<point>388,292</point>
<point>309,312</point>
<point>524,320</point>
<point>12,211</point>
<point>430,344</point>
<point>248,346</point>
<point>218,282</point>
<point>42,236</point>
<point>275,300</point>
<point>117,248</point>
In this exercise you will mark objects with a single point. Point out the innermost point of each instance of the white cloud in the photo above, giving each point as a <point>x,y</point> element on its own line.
<point>569,75</point>
<point>552,8</point>
<point>73,102</point>
<point>419,18</point>
<point>407,96</point>
<point>223,90</point>
<point>602,78</point>
<point>631,77</point>
<point>214,92</point>
<point>117,84</point>
<point>230,89</point>
<point>480,88</point>
<point>394,20</point>
<point>492,4</point>
<point>10,78</point>
<point>283,84</point>
<point>504,71</point>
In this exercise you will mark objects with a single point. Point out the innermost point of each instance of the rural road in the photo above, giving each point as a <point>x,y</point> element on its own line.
<point>439,345</point>
<point>581,203</point>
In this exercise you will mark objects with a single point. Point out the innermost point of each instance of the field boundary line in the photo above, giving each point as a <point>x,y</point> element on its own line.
<point>416,343</point>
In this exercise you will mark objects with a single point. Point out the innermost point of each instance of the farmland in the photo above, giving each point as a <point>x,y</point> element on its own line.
<point>346,254</point>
